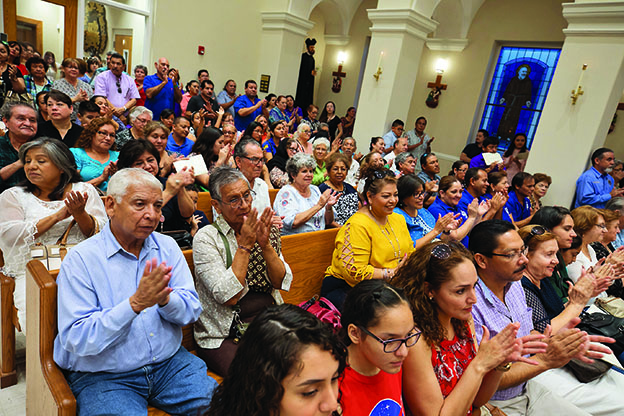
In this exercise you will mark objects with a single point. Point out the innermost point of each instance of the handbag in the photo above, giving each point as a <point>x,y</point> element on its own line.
<point>182,237</point>
<point>14,97</point>
<point>323,309</point>
<point>612,305</point>
<point>606,325</point>
<point>51,255</point>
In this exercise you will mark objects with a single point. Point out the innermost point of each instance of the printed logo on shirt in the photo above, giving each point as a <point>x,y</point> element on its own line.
<point>387,407</point>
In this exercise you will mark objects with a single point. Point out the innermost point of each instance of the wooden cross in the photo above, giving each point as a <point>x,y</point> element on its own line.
<point>339,73</point>
<point>337,82</point>
<point>437,84</point>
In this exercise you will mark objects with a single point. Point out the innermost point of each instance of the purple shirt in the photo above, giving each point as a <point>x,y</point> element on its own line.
<point>496,315</point>
<point>106,85</point>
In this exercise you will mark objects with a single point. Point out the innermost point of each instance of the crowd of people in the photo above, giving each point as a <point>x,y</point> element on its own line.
<point>458,293</point>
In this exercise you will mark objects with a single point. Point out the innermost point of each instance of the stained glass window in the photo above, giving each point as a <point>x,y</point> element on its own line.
<point>518,91</point>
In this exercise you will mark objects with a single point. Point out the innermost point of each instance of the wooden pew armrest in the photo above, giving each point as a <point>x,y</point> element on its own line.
<point>47,391</point>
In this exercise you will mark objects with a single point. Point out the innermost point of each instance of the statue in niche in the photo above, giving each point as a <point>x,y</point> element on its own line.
<point>517,94</point>
<point>307,71</point>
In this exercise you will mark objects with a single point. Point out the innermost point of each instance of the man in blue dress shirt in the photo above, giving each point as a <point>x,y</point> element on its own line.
<point>595,186</point>
<point>161,89</point>
<point>124,295</point>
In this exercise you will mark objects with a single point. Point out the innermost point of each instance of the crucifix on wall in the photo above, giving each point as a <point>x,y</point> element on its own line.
<point>338,76</point>
<point>436,90</point>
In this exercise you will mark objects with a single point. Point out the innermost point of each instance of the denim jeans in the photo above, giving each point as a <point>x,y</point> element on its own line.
<point>179,386</point>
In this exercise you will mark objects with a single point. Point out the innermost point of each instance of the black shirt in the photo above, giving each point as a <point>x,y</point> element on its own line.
<point>47,129</point>
<point>472,150</point>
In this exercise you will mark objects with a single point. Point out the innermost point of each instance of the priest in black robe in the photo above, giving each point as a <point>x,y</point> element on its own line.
<point>307,72</point>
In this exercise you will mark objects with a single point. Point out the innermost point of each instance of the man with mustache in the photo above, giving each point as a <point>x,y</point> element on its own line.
<point>21,122</point>
<point>500,259</point>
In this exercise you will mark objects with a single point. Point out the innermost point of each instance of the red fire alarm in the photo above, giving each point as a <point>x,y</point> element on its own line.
<point>200,50</point>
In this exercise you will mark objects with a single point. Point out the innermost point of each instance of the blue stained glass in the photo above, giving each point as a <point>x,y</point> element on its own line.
<point>512,116</point>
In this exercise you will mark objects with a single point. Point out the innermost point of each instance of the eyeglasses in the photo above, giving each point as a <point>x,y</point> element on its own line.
<point>254,160</point>
<point>237,202</point>
<point>603,226</point>
<point>294,149</point>
<point>537,230</point>
<point>380,174</point>
<point>229,133</point>
<point>106,134</point>
<point>419,194</point>
<point>512,255</point>
<point>392,345</point>
<point>119,86</point>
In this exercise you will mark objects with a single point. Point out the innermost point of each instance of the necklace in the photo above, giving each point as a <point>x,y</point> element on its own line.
<point>386,233</point>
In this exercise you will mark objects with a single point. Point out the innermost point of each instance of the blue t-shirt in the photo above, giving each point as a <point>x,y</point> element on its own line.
<point>173,147</point>
<point>269,146</point>
<point>90,168</point>
<point>420,225</point>
<point>440,209</point>
<point>241,102</point>
<point>514,207</point>
<point>164,99</point>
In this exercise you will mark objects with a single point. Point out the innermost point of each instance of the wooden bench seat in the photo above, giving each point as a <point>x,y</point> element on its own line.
<point>47,392</point>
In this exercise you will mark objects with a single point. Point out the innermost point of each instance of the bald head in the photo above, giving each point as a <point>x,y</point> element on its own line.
<point>162,67</point>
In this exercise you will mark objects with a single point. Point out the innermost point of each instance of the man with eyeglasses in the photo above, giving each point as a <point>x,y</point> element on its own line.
<point>543,389</point>
<point>396,131</point>
<point>249,160</point>
<point>118,87</point>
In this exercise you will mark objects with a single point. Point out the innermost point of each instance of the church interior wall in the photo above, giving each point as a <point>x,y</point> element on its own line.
<point>615,139</point>
<point>527,22</point>
<point>52,18</point>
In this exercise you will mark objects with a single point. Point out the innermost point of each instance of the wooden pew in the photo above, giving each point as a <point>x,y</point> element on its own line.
<point>47,391</point>
<point>8,318</point>
<point>308,255</point>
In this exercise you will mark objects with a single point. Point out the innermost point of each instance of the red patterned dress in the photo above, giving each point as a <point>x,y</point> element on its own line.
<point>450,361</point>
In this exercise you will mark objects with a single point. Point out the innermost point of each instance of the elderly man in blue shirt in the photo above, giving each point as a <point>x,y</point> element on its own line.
<point>595,186</point>
<point>124,295</point>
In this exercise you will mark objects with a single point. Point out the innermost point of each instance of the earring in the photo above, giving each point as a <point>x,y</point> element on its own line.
<point>431,298</point>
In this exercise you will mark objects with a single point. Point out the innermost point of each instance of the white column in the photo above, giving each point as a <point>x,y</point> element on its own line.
<point>283,36</point>
<point>400,34</point>
<point>567,134</point>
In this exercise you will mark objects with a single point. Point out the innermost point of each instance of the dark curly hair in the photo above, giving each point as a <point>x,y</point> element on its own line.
<point>90,130</point>
<point>269,352</point>
<point>423,272</point>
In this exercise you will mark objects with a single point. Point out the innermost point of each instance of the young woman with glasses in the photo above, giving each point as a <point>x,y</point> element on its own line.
<point>379,331</point>
<point>447,373</point>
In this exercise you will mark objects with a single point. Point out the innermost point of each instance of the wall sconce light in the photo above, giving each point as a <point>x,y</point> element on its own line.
<point>339,75</point>
<point>578,91</point>
<point>441,66</point>
<point>437,87</point>
<point>377,74</point>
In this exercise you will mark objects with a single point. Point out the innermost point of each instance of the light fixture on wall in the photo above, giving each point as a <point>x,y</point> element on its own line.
<point>339,75</point>
<point>437,87</point>
<point>578,91</point>
<point>377,74</point>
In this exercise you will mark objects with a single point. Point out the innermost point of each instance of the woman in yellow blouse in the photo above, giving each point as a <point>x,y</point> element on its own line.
<point>372,243</point>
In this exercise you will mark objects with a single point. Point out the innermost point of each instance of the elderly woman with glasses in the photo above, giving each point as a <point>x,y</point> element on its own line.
<point>139,117</point>
<point>95,160</point>
<point>348,202</point>
<point>448,372</point>
<point>372,243</point>
<point>239,268</point>
<point>303,135</point>
<point>320,148</point>
<point>302,204</point>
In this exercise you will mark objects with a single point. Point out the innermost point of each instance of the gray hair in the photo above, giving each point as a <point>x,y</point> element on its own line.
<point>321,140</point>
<point>401,158</point>
<point>137,111</point>
<point>120,182</point>
<point>240,147</point>
<point>300,129</point>
<point>323,125</point>
<point>221,177</point>
<point>8,107</point>
<point>616,204</point>
<point>299,161</point>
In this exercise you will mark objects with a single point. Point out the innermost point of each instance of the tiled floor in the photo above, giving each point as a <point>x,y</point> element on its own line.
<point>13,399</point>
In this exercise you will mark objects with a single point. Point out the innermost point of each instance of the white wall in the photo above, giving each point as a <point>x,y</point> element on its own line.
<point>52,17</point>
<point>126,21</point>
